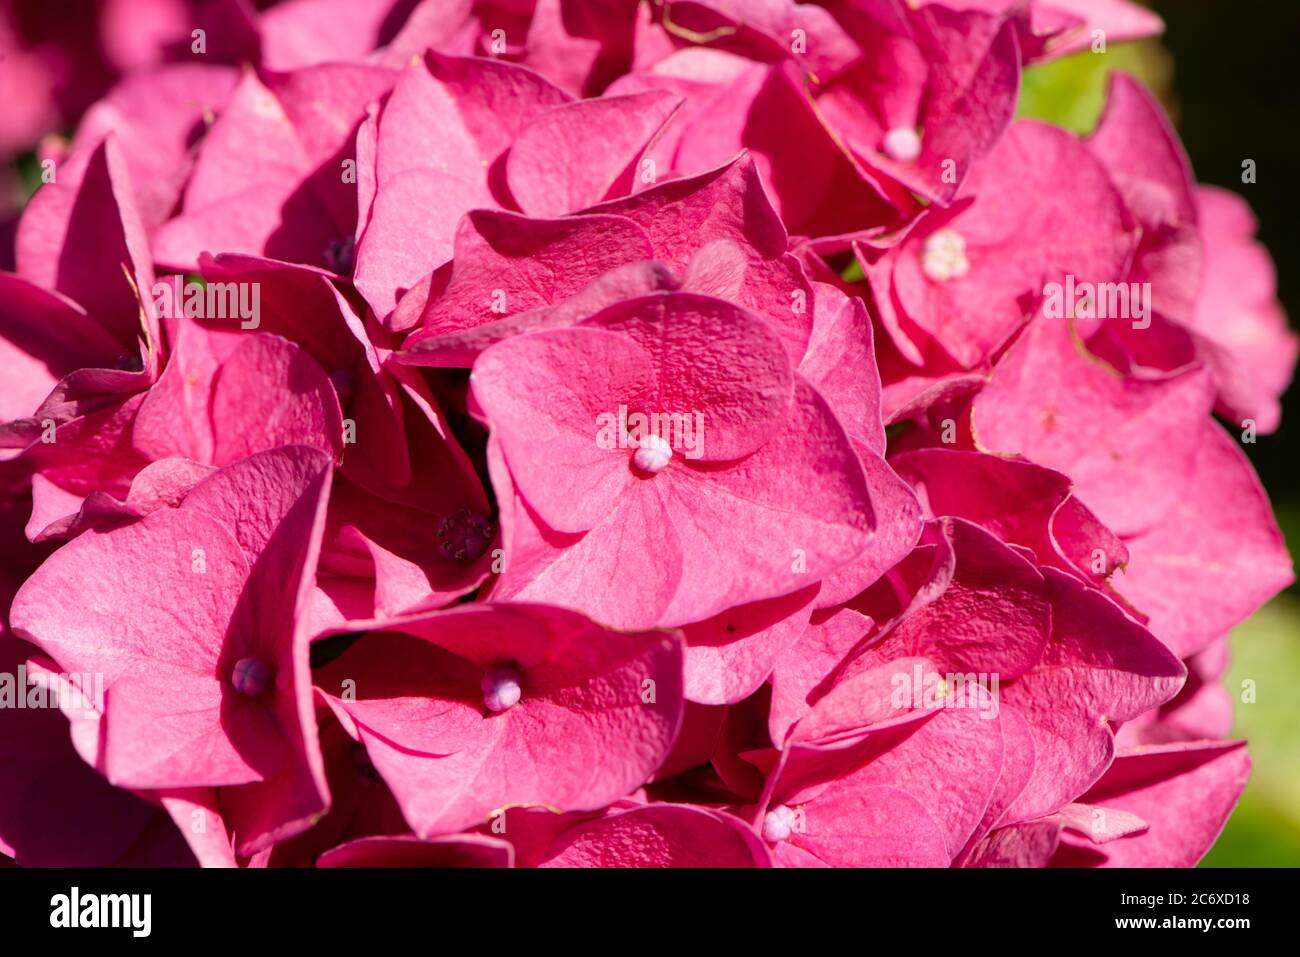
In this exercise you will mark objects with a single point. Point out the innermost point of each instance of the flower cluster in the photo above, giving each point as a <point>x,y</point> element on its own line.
<point>678,432</point>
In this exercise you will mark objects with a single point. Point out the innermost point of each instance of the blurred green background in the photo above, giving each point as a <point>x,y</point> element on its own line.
<point>1226,72</point>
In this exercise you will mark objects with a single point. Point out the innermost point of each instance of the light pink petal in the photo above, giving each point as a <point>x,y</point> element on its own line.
<point>1241,329</point>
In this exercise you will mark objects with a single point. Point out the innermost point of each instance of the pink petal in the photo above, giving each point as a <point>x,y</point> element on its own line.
<point>575,155</point>
<point>583,733</point>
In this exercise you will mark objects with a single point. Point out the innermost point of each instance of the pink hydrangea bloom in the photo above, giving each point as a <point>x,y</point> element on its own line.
<point>566,434</point>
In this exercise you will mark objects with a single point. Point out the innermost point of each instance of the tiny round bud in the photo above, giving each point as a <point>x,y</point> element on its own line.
<point>944,256</point>
<point>778,824</point>
<point>652,454</point>
<point>902,144</point>
<point>251,676</point>
<point>501,688</point>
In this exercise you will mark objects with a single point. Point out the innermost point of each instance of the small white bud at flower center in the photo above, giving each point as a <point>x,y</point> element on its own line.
<point>778,824</point>
<point>902,144</point>
<point>501,688</point>
<point>944,256</point>
<point>652,454</point>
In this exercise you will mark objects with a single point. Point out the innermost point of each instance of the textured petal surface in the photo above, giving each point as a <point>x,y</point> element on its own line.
<point>597,714</point>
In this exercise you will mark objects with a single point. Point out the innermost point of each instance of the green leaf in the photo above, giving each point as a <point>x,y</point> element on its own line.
<point>1071,91</point>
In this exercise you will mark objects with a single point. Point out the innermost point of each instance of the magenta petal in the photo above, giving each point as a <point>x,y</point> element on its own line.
<point>55,811</point>
<point>1099,667</point>
<point>225,395</point>
<point>985,611</point>
<point>160,484</point>
<point>301,33</point>
<point>1240,326</point>
<point>248,165</point>
<point>1140,148</point>
<point>154,115</point>
<point>1184,792</point>
<point>82,236</point>
<point>446,124</point>
<point>743,388</point>
<point>968,275</point>
<point>1204,569</point>
<point>1128,442</point>
<point>595,714</point>
<point>660,835</point>
<point>523,385</point>
<point>1120,19</point>
<point>812,659</point>
<point>45,337</point>
<point>955,81</point>
<point>299,404</point>
<point>1021,503</point>
<point>956,738</point>
<point>728,203</point>
<point>1021,845</point>
<point>466,850</point>
<point>841,363</point>
<point>506,264</point>
<point>663,544</point>
<point>731,654</point>
<point>460,348</point>
<point>896,809</point>
<point>173,720</point>
<point>575,155</point>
